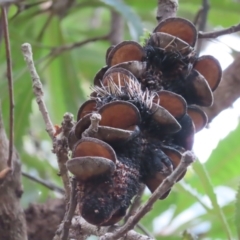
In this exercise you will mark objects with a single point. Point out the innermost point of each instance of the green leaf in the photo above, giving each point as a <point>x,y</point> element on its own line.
<point>226,158</point>
<point>217,11</point>
<point>190,192</point>
<point>207,185</point>
<point>134,22</point>
<point>64,91</point>
<point>22,97</point>
<point>34,192</point>
<point>159,207</point>
<point>237,214</point>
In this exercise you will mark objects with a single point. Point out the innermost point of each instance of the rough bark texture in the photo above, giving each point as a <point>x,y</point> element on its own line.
<point>43,219</point>
<point>12,220</point>
<point>166,9</point>
<point>228,90</point>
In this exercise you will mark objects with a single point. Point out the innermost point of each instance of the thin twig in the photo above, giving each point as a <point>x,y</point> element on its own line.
<point>47,184</point>
<point>215,34</point>
<point>63,230</point>
<point>56,51</point>
<point>10,84</point>
<point>37,89</point>
<point>59,50</point>
<point>168,182</point>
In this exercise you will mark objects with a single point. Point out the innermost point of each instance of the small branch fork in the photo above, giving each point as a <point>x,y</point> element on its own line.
<point>168,182</point>
<point>10,84</point>
<point>59,142</point>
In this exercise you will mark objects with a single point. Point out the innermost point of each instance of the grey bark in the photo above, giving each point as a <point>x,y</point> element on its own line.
<point>12,219</point>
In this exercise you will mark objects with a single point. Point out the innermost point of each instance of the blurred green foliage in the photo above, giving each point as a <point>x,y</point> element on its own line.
<point>67,78</point>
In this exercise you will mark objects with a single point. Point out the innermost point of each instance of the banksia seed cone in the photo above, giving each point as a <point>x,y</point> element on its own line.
<point>140,119</point>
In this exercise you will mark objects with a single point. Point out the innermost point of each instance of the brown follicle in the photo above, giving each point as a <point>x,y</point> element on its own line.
<point>93,147</point>
<point>201,91</point>
<point>113,135</point>
<point>175,157</point>
<point>165,119</point>
<point>86,108</point>
<point>169,43</point>
<point>99,76</point>
<point>172,102</point>
<point>124,52</point>
<point>119,114</point>
<point>119,76</point>
<point>88,167</point>
<point>179,27</point>
<point>198,116</point>
<point>137,68</point>
<point>108,51</point>
<point>81,126</point>
<point>91,158</point>
<point>210,69</point>
<point>185,137</point>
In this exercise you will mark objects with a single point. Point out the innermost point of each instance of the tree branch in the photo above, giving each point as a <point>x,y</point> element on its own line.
<point>12,220</point>
<point>10,83</point>
<point>60,146</point>
<point>167,183</point>
<point>202,22</point>
<point>204,14</point>
<point>215,34</point>
<point>44,218</point>
<point>166,9</point>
